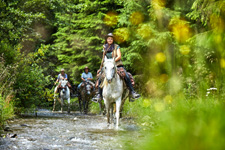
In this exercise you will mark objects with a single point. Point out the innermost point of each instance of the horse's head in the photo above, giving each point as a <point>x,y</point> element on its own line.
<point>88,88</point>
<point>63,85</point>
<point>109,69</point>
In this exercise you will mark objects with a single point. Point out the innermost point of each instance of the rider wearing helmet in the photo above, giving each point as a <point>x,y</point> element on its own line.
<point>86,76</point>
<point>109,50</point>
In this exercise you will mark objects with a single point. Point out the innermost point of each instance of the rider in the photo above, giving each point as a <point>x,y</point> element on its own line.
<point>109,48</point>
<point>86,76</point>
<point>61,76</point>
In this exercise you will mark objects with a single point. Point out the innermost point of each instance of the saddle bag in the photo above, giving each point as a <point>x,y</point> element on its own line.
<point>121,72</point>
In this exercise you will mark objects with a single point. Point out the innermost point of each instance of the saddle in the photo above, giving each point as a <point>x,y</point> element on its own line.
<point>120,71</point>
<point>59,87</point>
<point>83,84</point>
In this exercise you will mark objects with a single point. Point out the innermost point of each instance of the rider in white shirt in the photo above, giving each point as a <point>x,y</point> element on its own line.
<point>61,76</point>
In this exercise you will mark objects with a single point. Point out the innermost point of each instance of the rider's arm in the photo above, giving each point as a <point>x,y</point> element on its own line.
<point>57,80</point>
<point>118,55</point>
<point>82,77</point>
<point>103,56</point>
<point>91,77</point>
<point>66,77</point>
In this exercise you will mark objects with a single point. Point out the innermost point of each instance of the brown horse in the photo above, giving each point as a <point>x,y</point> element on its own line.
<point>86,93</point>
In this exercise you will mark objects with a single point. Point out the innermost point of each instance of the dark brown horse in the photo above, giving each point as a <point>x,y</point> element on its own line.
<point>86,93</point>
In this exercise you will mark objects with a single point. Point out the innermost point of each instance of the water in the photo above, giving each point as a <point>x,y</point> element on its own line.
<point>56,131</point>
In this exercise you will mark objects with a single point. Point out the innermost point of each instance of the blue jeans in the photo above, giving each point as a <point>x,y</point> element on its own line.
<point>78,87</point>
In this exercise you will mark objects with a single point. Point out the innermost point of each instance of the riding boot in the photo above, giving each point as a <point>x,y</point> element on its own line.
<point>129,85</point>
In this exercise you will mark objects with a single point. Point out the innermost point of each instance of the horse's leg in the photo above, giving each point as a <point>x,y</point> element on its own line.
<point>123,101</point>
<point>114,108</point>
<point>118,105</point>
<point>68,100</point>
<point>111,112</point>
<point>84,102</point>
<point>79,100</point>
<point>107,111</point>
<point>100,107</point>
<point>55,98</point>
<point>54,104</point>
<point>62,105</point>
<point>87,104</point>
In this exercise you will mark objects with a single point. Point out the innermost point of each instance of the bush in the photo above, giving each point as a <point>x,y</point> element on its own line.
<point>30,86</point>
<point>6,110</point>
<point>197,124</point>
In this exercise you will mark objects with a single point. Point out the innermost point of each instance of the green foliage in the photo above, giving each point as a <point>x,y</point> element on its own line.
<point>196,124</point>
<point>94,108</point>
<point>30,86</point>
<point>7,79</point>
<point>78,41</point>
<point>6,110</point>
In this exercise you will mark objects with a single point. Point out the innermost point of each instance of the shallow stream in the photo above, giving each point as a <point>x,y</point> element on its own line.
<point>56,131</point>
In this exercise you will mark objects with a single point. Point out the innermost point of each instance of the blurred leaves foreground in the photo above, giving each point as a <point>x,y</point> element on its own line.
<point>182,124</point>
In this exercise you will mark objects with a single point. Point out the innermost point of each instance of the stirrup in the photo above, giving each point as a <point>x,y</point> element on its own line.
<point>131,99</point>
<point>96,99</point>
<point>137,95</point>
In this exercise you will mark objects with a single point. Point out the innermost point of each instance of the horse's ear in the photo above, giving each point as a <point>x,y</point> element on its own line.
<point>106,58</point>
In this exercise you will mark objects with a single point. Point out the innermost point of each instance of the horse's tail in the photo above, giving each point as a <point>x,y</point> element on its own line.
<point>105,82</point>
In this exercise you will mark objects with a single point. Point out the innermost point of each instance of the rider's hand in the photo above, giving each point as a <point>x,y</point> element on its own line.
<point>98,71</point>
<point>103,46</point>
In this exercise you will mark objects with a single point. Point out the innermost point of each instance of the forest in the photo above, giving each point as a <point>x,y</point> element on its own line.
<point>173,48</point>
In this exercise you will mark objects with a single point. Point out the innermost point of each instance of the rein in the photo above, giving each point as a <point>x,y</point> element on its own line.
<point>63,87</point>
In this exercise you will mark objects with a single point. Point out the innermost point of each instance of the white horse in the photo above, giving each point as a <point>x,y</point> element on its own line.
<point>64,95</point>
<point>112,89</point>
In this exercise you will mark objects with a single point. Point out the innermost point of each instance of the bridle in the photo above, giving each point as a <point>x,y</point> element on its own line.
<point>114,67</point>
<point>63,87</point>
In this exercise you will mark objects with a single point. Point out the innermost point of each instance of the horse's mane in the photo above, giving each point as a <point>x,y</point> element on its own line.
<point>105,82</point>
<point>64,82</point>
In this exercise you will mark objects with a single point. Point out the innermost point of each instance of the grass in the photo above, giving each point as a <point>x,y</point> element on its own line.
<point>6,110</point>
<point>179,124</point>
<point>94,108</point>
